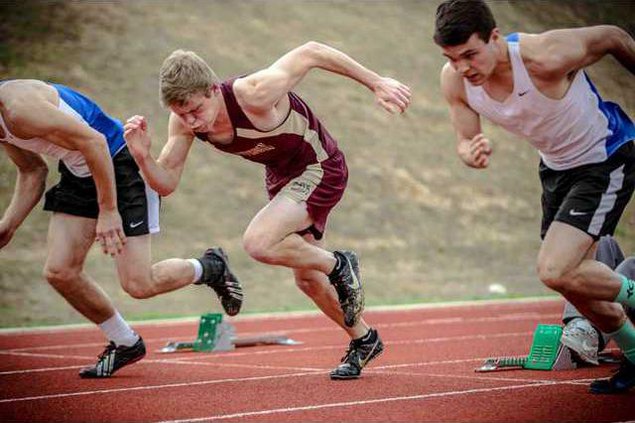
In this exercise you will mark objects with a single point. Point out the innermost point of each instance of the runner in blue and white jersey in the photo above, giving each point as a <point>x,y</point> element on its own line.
<point>100,196</point>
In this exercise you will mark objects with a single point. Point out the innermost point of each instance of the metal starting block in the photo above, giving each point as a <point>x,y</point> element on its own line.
<point>546,353</point>
<point>216,335</point>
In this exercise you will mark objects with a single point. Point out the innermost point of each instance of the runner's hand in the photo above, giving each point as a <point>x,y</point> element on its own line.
<point>479,150</point>
<point>109,232</point>
<point>392,95</point>
<point>137,137</point>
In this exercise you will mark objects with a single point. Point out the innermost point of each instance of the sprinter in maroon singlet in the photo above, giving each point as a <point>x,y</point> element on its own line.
<point>259,118</point>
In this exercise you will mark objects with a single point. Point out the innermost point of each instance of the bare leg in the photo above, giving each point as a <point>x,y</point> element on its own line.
<point>316,286</point>
<point>564,265</point>
<point>141,280</point>
<point>69,239</point>
<point>270,238</point>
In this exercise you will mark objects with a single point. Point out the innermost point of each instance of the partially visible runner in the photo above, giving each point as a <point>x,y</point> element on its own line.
<point>100,196</point>
<point>534,86</point>
<point>581,336</point>
<point>258,117</point>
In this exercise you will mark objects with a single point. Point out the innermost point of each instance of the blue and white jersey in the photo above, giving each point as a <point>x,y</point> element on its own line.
<point>85,110</point>
<point>578,129</point>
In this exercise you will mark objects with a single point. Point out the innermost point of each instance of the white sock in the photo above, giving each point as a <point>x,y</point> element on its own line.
<point>118,331</point>
<point>198,269</point>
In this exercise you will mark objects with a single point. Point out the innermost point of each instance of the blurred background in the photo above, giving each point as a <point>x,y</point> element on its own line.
<point>426,227</point>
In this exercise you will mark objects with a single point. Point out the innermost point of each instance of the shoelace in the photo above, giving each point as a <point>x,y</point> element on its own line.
<point>109,348</point>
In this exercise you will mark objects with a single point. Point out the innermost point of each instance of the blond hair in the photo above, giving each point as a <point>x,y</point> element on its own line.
<point>183,74</point>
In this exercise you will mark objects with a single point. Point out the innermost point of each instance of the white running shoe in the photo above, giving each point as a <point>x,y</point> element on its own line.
<point>582,338</point>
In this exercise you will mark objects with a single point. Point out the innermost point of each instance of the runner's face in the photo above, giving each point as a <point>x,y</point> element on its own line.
<point>475,59</point>
<point>199,112</point>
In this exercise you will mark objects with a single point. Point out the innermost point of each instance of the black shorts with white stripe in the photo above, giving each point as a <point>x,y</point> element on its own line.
<point>592,197</point>
<point>138,204</point>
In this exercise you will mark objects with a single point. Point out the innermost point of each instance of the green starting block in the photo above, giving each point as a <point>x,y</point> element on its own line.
<point>546,353</point>
<point>215,335</point>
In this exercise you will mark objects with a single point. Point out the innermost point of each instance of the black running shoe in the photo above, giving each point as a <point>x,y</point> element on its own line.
<point>348,285</point>
<point>218,276</point>
<point>360,352</point>
<point>620,382</point>
<point>114,358</point>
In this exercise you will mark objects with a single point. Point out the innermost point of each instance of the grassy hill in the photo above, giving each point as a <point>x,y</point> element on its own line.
<point>426,227</point>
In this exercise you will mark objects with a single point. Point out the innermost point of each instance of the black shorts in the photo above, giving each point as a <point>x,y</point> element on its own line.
<point>138,204</point>
<point>592,197</point>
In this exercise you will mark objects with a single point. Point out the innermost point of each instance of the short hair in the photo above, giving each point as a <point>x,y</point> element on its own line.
<point>183,74</point>
<point>457,20</point>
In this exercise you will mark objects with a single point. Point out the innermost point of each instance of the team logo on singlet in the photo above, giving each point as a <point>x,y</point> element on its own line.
<point>630,289</point>
<point>260,148</point>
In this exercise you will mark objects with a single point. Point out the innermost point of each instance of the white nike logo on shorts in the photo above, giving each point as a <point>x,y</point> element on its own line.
<point>573,212</point>
<point>135,224</point>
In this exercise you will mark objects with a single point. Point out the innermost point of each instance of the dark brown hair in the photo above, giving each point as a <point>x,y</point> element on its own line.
<point>457,20</point>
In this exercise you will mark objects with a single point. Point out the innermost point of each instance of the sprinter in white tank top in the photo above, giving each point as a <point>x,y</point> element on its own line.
<point>534,86</point>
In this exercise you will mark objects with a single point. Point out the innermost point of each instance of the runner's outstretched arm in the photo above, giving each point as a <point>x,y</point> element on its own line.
<point>262,90</point>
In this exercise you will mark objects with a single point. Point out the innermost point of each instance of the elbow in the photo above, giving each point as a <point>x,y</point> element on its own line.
<point>312,50</point>
<point>165,191</point>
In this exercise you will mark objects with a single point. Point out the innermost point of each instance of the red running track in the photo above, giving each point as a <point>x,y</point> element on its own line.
<point>426,373</point>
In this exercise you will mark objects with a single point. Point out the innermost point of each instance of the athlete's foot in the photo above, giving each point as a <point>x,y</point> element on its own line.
<point>360,352</point>
<point>114,358</point>
<point>348,285</point>
<point>218,276</point>
<point>620,382</point>
<point>583,339</point>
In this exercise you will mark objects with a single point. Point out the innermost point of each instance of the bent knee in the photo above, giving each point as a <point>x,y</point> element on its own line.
<point>60,276</point>
<point>138,287</point>
<point>258,248</point>
<point>553,276</point>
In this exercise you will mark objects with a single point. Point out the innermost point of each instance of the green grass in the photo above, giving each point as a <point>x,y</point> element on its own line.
<point>426,227</point>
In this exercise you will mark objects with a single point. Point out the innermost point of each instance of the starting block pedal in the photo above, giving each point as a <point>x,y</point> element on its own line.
<point>216,335</point>
<point>546,353</point>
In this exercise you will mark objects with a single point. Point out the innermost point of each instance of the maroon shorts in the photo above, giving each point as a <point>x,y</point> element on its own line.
<point>319,185</point>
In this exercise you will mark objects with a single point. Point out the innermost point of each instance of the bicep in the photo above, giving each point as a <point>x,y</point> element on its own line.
<point>265,88</point>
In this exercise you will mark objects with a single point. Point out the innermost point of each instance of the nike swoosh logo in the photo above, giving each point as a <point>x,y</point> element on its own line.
<point>572,212</point>
<point>523,93</point>
<point>356,283</point>
<point>135,224</point>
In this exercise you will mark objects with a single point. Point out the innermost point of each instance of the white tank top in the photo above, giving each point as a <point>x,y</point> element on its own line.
<point>73,159</point>
<point>568,133</point>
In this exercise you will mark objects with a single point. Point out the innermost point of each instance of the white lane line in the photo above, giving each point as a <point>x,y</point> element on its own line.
<point>497,304</point>
<point>151,387</point>
<point>39,355</point>
<point>215,357</point>
<point>364,402</point>
<point>414,323</point>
